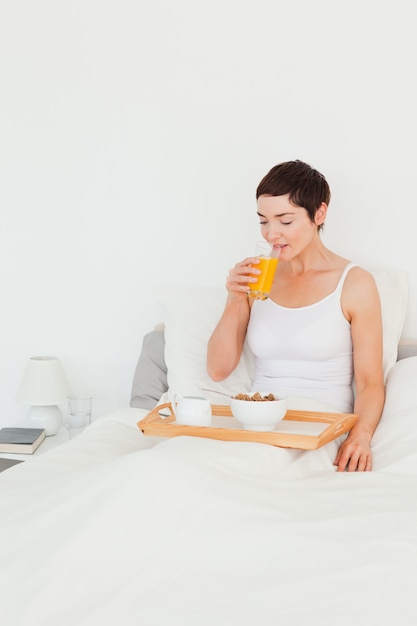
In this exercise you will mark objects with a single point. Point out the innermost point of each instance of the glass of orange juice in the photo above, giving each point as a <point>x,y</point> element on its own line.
<point>268,261</point>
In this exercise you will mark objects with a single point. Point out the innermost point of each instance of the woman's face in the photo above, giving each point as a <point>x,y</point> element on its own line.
<point>287,226</point>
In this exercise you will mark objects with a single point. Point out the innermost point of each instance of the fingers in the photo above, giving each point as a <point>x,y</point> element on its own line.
<point>364,463</point>
<point>348,461</point>
<point>242,274</point>
<point>353,459</point>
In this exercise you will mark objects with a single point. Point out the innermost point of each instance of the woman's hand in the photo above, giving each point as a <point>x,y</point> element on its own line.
<point>354,455</point>
<point>239,277</point>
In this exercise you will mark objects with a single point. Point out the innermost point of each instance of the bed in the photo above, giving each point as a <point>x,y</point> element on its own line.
<point>115,527</point>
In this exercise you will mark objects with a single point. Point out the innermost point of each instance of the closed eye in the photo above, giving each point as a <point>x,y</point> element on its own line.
<point>282,223</point>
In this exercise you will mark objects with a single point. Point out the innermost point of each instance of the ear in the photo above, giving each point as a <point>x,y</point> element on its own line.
<point>321,213</point>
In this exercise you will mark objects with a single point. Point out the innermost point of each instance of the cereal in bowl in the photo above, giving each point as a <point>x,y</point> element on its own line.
<point>256,397</point>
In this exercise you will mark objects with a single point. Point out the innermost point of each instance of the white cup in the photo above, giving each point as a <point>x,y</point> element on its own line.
<point>192,410</point>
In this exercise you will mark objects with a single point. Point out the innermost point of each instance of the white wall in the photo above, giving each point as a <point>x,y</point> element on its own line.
<point>133,135</point>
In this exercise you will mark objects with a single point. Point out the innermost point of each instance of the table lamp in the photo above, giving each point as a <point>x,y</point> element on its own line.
<point>43,387</point>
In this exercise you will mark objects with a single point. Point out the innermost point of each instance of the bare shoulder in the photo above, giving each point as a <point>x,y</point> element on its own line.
<point>360,292</point>
<point>360,275</point>
<point>359,278</point>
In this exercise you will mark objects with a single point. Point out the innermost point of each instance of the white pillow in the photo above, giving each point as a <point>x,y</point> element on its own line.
<point>401,388</point>
<point>191,315</point>
<point>394,443</point>
<point>393,292</point>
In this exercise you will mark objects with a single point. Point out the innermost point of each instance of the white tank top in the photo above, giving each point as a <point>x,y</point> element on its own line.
<point>305,351</point>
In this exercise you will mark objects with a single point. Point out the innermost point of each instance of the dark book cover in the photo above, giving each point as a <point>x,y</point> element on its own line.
<point>20,440</point>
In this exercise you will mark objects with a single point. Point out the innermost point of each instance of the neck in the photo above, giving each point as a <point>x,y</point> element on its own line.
<point>314,258</point>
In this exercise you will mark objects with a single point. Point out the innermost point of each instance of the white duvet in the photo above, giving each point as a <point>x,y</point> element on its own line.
<point>116,529</point>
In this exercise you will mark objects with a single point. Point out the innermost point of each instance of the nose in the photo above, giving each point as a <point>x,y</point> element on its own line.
<point>273,233</point>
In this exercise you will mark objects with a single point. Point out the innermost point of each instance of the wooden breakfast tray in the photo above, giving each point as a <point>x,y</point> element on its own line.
<point>226,428</point>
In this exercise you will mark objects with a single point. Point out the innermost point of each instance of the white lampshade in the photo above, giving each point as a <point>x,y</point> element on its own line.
<point>43,386</point>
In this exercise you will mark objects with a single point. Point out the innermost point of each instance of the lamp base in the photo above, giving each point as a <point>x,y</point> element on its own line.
<point>47,417</point>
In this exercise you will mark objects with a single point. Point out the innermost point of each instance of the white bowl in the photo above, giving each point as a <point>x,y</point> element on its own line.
<point>261,415</point>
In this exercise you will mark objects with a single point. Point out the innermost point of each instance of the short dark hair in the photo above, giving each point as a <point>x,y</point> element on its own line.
<point>306,187</point>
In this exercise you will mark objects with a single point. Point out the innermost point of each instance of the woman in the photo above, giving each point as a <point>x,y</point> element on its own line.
<point>321,325</point>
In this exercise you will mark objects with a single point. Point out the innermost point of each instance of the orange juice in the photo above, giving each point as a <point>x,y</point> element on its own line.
<point>260,290</point>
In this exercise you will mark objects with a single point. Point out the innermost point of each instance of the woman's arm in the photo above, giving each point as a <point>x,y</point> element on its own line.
<point>360,301</point>
<point>226,343</point>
